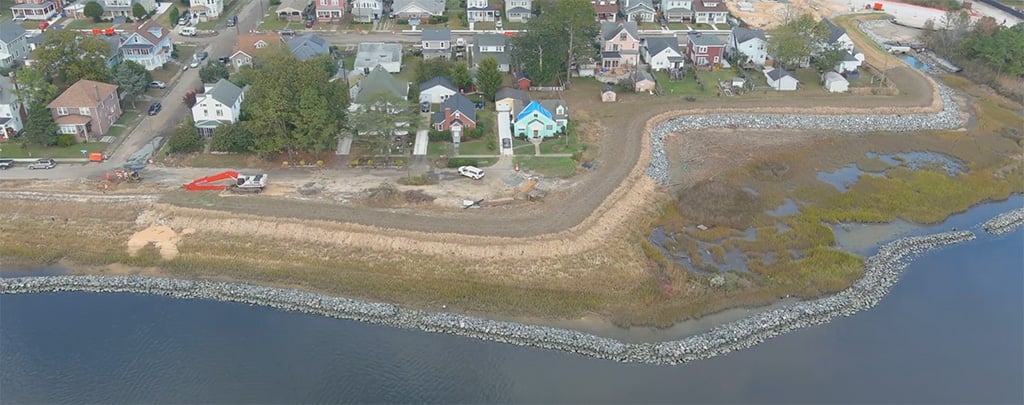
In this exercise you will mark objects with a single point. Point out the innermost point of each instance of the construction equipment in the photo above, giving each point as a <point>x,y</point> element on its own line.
<point>231,181</point>
<point>128,176</point>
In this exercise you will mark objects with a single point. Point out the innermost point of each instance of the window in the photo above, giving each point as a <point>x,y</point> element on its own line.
<point>206,113</point>
<point>68,129</point>
<point>220,113</point>
<point>83,111</point>
<point>548,127</point>
<point>716,59</point>
<point>62,111</point>
<point>702,49</point>
<point>622,36</point>
<point>426,44</point>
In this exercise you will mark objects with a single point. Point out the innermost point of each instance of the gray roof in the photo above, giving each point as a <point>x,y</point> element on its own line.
<point>834,32</point>
<point>848,57</point>
<point>10,31</point>
<point>642,75</point>
<point>370,54</point>
<point>607,88</point>
<point>656,45</point>
<point>490,40</point>
<point>519,10</point>
<point>459,103</point>
<point>745,34</point>
<point>552,107</point>
<point>778,73</point>
<point>307,46</point>
<point>645,4</point>
<point>7,95</point>
<point>705,40</point>
<point>434,34</point>
<point>225,92</point>
<point>438,81</point>
<point>609,29</point>
<point>434,7</point>
<point>508,92</point>
<point>380,81</point>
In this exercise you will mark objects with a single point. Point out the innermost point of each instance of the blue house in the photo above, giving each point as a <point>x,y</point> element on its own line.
<point>148,45</point>
<point>535,121</point>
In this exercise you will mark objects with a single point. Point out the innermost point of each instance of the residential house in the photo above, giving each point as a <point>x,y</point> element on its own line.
<point>605,10</point>
<point>780,79</point>
<point>559,112</point>
<point>491,46</point>
<point>837,37</point>
<point>704,51</point>
<point>114,56</point>
<point>835,83</point>
<point>367,10</point>
<point>850,62</point>
<point>13,43</point>
<point>510,100</point>
<point>86,110</point>
<point>457,115</point>
<point>662,53</point>
<point>38,10</point>
<point>535,121</point>
<point>437,90</point>
<point>436,43</point>
<point>620,44</point>
<point>643,81</point>
<point>481,10</point>
<point>206,10</point>
<point>221,103</point>
<point>710,12</point>
<point>750,46</point>
<point>308,46</point>
<point>148,45</point>
<point>123,8</point>
<point>378,82</point>
<point>677,10</point>
<point>637,10</point>
<point>422,9</point>
<point>522,81</point>
<point>291,10</point>
<point>608,94</point>
<point>369,55</point>
<point>330,10</point>
<point>518,10</point>
<point>12,112</point>
<point>248,45</point>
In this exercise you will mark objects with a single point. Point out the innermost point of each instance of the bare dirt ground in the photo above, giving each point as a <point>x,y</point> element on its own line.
<point>769,14</point>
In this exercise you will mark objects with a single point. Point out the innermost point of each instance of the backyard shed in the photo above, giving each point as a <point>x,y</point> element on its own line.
<point>835,83</point>
<point>780,79</point>
<point>608,94</point>
<point>643,81</point>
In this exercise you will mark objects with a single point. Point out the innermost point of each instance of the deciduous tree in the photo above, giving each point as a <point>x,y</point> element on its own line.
<point>376,121</point>
<point>431,68</point>
<point>213,72</point>
<point>173,14</point>
<point>185,138</point>
<point>797,39</point>
<point>488,78</point>
<point>39,127</point>
<point>231,138</point>
<point>827,59</point>
<point>139,11</point>
<point>33,88</point>
<point>131,79</point>
<point>67,56</point>
<point>460,76</point>
<point>563,31</point>
<point>93,10</point>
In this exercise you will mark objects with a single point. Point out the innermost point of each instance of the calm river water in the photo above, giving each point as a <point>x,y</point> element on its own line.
<point>950,331</point>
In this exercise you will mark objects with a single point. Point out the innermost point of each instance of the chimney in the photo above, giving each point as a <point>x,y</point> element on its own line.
<point>447,112</point>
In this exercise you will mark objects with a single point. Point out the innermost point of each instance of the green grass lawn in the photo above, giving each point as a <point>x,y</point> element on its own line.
<point>185,53</point>
<point>678,26</point>
<point>408,72</point>
<point>548,166</point>
<point>436,149</point>
<point>808,79</point>
<point>477,147</point>
<point>683,87</point>
<point>271,22</point>
<point>19,149</point>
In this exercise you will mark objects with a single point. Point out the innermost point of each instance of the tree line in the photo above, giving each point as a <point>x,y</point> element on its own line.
<point>989,52</point>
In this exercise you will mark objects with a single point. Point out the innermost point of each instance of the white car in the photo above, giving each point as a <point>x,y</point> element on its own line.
<point>195,63</point>
<point>472,172</point>
<point>156,84</point>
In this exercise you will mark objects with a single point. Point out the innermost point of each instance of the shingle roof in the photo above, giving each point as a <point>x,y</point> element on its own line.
<point>435,34</point>
<point>705,40</point>
<point>434,7</point>
<point>642,75</point>
<point>225,92</point>
<point>247,43</point>
<point>552,107</point>
<point>370,54</point>
<point>438,81</point>
<point>308,46</point>
<point>460,103</point>
<point>646,4</point>
<point>609,29</point>
<point>656,45</point>
<point>518,10</point>
<point>7,95</point>
<point>508,92</point>
<point>745,34</point>
<point>10,30</point>
<point>380,81</point>
<point>778,73</point>
<point>148,29</point>
<point>834,32</point>
<point>490,40</point>
<point>84,93</point>
<point>718,7</point>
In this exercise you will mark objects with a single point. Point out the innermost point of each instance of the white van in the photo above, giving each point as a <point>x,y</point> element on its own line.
<point>188,31</point>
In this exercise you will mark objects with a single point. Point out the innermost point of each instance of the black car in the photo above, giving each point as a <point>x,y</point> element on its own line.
<point>506,143</point>
<point>425,106</point>
<point>155,108</point>
<point>224,59</point>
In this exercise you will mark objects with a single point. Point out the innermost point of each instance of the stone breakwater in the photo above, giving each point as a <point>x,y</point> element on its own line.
<point>948,118</point>
<point>881,273</point>
<point>1005,222</point>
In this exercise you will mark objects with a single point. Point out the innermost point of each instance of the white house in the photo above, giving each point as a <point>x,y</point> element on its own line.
<point>372,54</point>
<point>518,10</point>
<point>710,12</point>
<point>437,90</point>
<point>13,43</point>
<point>780,79</point>
<point>422,9</point>
<point>662,53</point>
<point>835,83</point>
<point>751,44</point>
<point>481,10</point>
<point>148,45</point>
<point>206,10</point>
<point>677,10</point>
<point>220,104</point>
<point>10,110</point>
<point>837,37</point>
<point>124,8</point>
<point>850,62</point>
<point>638,10</point>
<point>367,10</point>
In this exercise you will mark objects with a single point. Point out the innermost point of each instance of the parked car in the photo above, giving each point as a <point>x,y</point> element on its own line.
<point>287,32</point>
<point>156,84</point>
<point>155,108</point>
<point>6,164</point>
<point>472,172</point>
<point>184,66</point>
<point>195,63</point>
<point>188,31</point>
<point>202,55</point>
<point>309,23</point>
<point>425,106</point>
<point>232,21</point>
<point>224,59</point>
<point>506,143</point>
<point>42,164</point>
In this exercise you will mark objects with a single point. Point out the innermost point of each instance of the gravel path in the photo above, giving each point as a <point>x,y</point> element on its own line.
<point>881,273</point>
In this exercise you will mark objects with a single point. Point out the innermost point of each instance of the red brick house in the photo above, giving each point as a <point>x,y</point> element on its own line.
<point>457,113</point>
<point>87,109</point>
<point>605,10</point>
<point>705,51</point>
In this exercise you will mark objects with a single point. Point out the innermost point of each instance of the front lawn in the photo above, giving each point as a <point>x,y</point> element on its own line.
<point>687,86</point>
<point>563,144</point>
<point>478,147</point>
<point>21,149</point>
<point>272,23</point>
<point>548,166</point>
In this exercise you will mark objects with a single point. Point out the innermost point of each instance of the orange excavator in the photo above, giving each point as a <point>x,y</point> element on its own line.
<point>229,180</point>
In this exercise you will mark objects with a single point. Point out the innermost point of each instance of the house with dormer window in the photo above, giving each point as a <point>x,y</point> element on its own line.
<point>458,113</point>
<point>620,44</point>
<point>148,45</point>
<point>677,10</point>
<point>638,10</point>
<point>123,8</point>
<point>518,10</point>
<point>710,12</point>
<point>750,45</point>
<point>491,46</point>
<point>221,103</point>
<point>481,10</point>
<point>422,9</point>
<point>206,10</point>
<point>248,45</point>
<point>605,10</point>
<point>536,120</point>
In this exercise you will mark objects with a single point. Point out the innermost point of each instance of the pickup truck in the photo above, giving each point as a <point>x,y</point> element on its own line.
<point>42,164</point>
<point>6,164</point>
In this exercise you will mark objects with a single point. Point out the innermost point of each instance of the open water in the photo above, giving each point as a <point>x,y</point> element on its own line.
<point>951,331</point>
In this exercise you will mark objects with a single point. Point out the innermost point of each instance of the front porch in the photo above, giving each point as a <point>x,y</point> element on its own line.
<point>41,12</point>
